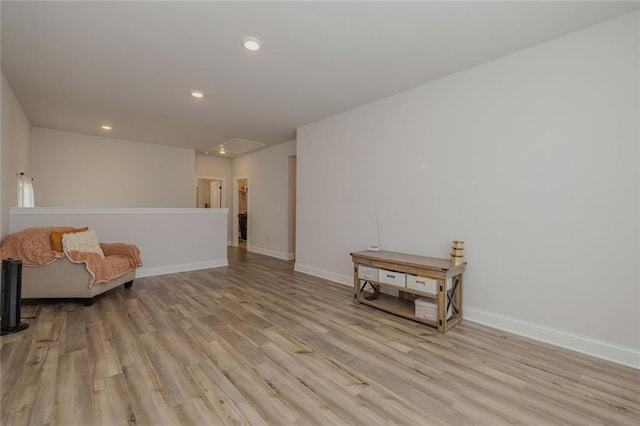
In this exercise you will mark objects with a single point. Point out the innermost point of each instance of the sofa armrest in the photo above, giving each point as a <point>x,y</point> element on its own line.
<point>122,249</point>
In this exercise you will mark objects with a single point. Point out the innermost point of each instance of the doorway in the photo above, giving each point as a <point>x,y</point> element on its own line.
<point>209,192</point>
<point>241,225</point>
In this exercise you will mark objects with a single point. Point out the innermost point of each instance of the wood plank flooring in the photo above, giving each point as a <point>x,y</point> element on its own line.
<point>257,343</point>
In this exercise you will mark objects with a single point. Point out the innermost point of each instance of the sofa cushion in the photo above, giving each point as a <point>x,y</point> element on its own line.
<point>56,237</point>
<point>86,242</point>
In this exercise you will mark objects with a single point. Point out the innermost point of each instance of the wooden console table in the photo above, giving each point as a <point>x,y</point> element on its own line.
<point>447,289</point>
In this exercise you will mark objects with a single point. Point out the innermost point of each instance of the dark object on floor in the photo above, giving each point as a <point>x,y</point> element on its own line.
<point>11,297</point>
<point>242,217</point>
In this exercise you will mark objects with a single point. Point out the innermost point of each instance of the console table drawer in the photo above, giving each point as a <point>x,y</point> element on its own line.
<point>367,273</point>
<point>392,277</point>
<point>425,284</point>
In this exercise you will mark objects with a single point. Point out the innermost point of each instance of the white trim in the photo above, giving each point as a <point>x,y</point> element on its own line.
<point>587,345</point>
<point>184,267</point>
<point>272,253</point>
<point>110,210</point>
<point>327,275</point>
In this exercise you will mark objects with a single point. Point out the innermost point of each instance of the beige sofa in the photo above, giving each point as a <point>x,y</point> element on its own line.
<point>48,273</point>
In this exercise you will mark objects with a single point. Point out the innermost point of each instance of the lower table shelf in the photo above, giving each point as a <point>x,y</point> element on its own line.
<point>395,305</point>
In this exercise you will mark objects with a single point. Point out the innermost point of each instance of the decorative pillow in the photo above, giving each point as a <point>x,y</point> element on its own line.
<point>56,237</point>
<point>82,241</point>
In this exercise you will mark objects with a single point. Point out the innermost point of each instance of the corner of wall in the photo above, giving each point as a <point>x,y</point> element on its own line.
<point>14,150</point>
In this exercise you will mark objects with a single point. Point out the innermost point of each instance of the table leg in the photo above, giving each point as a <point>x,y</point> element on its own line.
<point>356,285</point>
<point>442,306</point>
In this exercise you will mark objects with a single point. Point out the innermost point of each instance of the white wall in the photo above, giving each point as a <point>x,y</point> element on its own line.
<point>268,218</point>
<point>532,161</point>
<point>72,169</point>
<point>14,151</point>
<point>170,240</point>
<point>210,166</point>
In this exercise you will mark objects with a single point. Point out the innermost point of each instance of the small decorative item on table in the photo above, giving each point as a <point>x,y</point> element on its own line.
<point>457,253</point>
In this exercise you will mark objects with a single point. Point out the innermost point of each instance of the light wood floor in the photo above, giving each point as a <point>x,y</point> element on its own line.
<point>257,343</point>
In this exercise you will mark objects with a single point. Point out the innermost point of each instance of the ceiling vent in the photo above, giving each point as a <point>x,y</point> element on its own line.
<point>234,147</point>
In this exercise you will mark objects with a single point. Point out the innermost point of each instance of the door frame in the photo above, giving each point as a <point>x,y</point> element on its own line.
<point>292,194</point>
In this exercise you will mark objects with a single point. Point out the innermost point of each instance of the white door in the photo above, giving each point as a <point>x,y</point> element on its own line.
<point>216,193</point>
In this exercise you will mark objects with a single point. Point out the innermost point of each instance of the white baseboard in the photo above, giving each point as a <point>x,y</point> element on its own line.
<point>327,275</point>
<point>272,253</point>
<point>587,345</point>
<point>183,267</point>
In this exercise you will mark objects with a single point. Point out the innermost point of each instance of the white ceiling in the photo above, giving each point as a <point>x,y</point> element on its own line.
<point>77,65</point>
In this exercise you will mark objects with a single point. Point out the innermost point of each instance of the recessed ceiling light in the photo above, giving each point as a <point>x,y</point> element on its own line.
<point>251,44</point>
<point>206,153</point>
<point>106,127</point>
<point>222,151</point>
<point>197,94</point>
